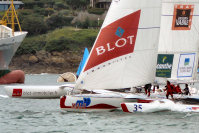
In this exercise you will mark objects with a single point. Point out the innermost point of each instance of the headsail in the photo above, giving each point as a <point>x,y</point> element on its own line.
<point>179,42</point>
<point>83,61</point>
<point>124,53</point>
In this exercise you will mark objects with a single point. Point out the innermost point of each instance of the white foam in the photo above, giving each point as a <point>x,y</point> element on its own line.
<point>4,96</point>
<point>178,107</point>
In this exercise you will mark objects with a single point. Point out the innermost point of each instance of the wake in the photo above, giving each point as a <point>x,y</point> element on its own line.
<point>4,96</point>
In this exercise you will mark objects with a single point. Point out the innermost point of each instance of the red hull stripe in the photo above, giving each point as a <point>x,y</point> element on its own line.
<point>115,40</point>
<point>124,108</point>
<point>144,101</point>
<point>62,102</point>
<point>97,106</point>
<point>195,108</point>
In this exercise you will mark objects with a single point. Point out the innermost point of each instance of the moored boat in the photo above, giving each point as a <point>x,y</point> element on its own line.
<point>10,40</point>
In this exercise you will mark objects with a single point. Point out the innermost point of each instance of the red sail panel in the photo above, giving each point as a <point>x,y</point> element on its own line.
<point>122,41</point>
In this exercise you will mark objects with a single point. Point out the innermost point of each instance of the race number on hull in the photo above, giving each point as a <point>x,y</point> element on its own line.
<point>122,41</point>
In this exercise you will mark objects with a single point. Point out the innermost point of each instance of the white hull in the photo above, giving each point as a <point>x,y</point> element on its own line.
<point>33,91</point>
<point>9,45</point>
<point>90,103</point>
<point>159,105</point>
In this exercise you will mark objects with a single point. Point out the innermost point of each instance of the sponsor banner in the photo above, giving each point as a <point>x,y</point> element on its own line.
<point>115,40</point>
<point>182,17</point>
<point>17,93</point>
<point>164,65</point>
<point>186,65</point>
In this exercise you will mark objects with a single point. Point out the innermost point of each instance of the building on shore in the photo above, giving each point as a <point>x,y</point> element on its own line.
<point>100,3</point>
<point>5,4</point>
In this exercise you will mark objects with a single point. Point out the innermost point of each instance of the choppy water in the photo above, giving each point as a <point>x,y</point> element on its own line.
<point>45,116</point>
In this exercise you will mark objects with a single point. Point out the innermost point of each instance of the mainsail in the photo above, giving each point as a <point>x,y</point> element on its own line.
<point>179,42</point>
<point>124,53</point>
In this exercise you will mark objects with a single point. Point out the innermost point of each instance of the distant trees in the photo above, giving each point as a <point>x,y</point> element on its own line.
<point>34,25</point>
<point>58,20</point>
<point>82,4</point>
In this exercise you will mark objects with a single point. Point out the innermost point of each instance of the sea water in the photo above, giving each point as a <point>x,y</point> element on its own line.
<point>45,116</point>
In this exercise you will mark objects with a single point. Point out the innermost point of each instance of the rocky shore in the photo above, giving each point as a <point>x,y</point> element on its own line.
<point>44,62</point>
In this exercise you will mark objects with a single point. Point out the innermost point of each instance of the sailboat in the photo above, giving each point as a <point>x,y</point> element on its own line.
<point>123,56</point>
<point>178,45</point>
<point>177,51</point>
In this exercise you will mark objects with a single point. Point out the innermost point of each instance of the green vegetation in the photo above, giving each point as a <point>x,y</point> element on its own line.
<point>67,38</point>
<point>49,25</point>
<point>98,11</point>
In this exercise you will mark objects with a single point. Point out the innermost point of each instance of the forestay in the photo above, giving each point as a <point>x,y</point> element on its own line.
<point>179,41</point>
<point>124,53</point>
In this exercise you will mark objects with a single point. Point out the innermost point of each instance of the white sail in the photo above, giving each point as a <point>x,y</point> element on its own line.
<point>124,53</point>
<point>179,38</point>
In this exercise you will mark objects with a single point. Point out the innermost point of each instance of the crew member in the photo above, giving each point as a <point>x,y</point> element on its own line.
<point>169,89</point>
<point>147,88</point>
<point>178,89</point>
<point>186,90</point>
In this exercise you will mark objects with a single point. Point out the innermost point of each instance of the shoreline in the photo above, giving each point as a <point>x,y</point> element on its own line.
<point>44,62</point>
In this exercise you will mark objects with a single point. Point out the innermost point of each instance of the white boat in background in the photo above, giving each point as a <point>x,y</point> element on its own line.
<point>10,39</point>
<point>9,44</point>
<point>178,44</point>
<point>123,55</point>
<point>38,91</point>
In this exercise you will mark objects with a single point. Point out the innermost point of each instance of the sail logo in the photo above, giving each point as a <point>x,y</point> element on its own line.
<point>186,65</point>
<point>119,43</point>
<point>164,58</point>
<point>164,65</point>
<point>17,92</point>
<point>115,40</point>
<point>186,61</point>
<point>119,32</point>
<point>82,103</point>
<point>182,18</point>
